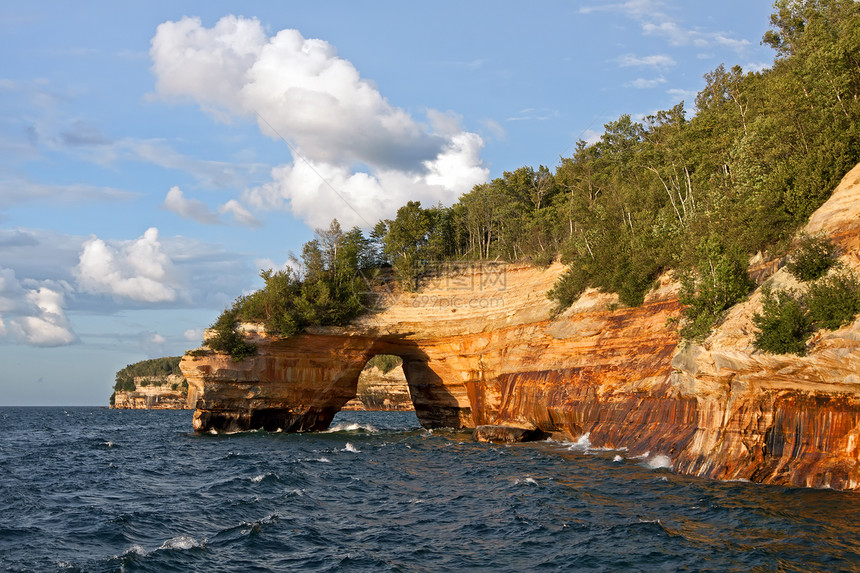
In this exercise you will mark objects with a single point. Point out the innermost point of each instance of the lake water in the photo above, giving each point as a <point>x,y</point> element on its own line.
<point>89,489</point>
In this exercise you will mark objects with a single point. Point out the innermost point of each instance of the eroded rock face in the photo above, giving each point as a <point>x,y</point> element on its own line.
<point>480,348</point>
<point>153,393</point>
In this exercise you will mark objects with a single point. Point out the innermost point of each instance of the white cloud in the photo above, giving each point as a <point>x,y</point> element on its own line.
<point>17,191</point>
<point>660,61</point>
<point>333,119</point>
<point>642,83</point>
<point>240,214</point>
<point>757,66</point>
<point>591,136</point>
<point>494,129</point>
<point>176,202</point>
<point>137,270</point>
<point>678,93</point>
<point>534,114</point>
<point>655,22</point>
<point>35,311</point>
<point>152,343</point>
<point>196,210</point>
<point>193,334</point>
<point>49,327</point>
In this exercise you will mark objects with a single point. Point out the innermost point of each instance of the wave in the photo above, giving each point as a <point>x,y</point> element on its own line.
<point>182,542</point>
<point>659,461</point>
<point>260,477</point>
<point>350,448</point>
<point>582,443</point>
<point>351,427</point>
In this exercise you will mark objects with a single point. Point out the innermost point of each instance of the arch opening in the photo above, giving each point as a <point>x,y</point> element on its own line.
<point>382,386</point>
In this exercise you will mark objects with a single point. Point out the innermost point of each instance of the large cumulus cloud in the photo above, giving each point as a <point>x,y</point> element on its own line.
<point>34,311</point>
<point>346,138</point>
<point>137,270</point>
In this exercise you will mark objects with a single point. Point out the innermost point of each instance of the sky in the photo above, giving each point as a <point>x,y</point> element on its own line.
<point>155,156</point>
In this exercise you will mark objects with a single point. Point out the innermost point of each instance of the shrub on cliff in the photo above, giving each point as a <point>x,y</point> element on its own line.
<point>834,301</point>
<point>813,257</point>
<point>788,318</point>
<point>784,324</point>
<point>568,288</point>
<point>226,339</point>
<point>720,280</point>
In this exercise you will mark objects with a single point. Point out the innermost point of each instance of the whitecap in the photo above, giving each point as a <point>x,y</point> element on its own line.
<point>350,448</point>
<point>324,460</point>
<point>618,459</point>
<point>258,478</point>
<point>527,481</point>
<point>659,461</point>
<point>135,550</point>
<point>582,443</point>
<point>181,542</point>
<point>108,444</point>
<point>213,431</point>
<point>351,427</point>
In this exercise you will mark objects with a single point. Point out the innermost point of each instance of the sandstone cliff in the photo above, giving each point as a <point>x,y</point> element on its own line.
<point>480,348</point>
<point>153,393</point>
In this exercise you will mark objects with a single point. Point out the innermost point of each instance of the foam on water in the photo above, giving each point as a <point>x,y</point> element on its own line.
<point>260,477</point>
<point>351,427</point>
<point>582,443</point>
<point>350,448</point>
<point>659,461</point>
<point>183,542</point>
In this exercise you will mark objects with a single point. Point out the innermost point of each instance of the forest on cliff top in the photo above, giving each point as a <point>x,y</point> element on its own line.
<point>698,189</point>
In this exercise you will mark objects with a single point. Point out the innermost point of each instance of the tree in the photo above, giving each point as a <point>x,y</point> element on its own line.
<point>783,324</point>
<point>406,242</point>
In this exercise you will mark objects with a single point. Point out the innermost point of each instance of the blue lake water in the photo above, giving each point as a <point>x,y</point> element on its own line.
<point>89,489</point>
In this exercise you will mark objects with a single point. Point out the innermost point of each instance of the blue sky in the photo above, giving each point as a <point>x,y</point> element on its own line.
<point>155,155</point>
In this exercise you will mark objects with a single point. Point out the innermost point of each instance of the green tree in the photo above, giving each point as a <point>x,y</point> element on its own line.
<point>719,281</point>
<point>783,324</point>
<point>813,257</point>
<point>407,240</point>
<point>834,300</point>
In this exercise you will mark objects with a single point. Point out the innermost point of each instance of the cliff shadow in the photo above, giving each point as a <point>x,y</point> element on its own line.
<point>436,406</point>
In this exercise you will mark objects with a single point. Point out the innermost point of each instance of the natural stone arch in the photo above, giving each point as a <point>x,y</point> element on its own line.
<point>298,384</point>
